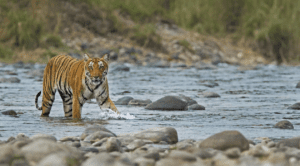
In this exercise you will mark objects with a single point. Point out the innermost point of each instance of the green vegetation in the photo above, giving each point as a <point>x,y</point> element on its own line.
<point>186,45</point>
<point>5,52</point>
<point>271,26</point>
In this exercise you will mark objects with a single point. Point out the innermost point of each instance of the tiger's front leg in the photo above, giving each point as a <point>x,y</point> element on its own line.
<point>106,103</point>
<point>76,107</point>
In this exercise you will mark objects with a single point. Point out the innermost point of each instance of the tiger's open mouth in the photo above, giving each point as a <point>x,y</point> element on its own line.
<point>96,82</point>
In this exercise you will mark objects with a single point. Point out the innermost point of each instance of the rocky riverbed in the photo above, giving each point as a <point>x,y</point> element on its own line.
<point>171,114</point>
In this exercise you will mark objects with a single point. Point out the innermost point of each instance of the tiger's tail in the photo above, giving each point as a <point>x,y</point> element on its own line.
<point>36,101</point>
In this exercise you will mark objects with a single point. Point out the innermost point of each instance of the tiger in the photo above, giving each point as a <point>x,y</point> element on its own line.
<point>76,82</point>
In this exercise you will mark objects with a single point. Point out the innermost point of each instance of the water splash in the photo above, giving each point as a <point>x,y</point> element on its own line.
<point>110,114</point>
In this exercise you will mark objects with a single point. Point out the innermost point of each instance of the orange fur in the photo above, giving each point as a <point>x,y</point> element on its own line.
<point>76,82</point>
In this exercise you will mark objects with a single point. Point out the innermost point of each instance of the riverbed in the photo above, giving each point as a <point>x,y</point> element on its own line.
<point>252,102</point>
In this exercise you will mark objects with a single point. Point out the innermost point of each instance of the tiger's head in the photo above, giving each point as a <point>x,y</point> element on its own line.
<point>96,69</point>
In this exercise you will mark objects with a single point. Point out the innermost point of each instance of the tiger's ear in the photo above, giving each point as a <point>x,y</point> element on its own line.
<point>106,57</point>
<point>86,57</point>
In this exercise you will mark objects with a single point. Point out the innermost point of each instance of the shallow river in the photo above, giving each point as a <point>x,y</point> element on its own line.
<point>251,102</point>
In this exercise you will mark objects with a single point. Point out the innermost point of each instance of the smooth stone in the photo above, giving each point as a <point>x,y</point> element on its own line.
<point>43,137</point>
<point>98,135</point>
<point>22,136</point>
<point>135,144</point>
<point>196,107</point>
<point>103,159</point>
<point>7,153</point>
<point>126,139</point>
<point>291,142</point>
<point>69,138</point>
<point>210,95</point>
<point>259,151</point>
<point>157,134</point>
<point>39,149</point>
<point>189,100</point>
<point>168,103</point>
<point>100,142</point>
<point>124,100</point>
<point>223,141</point>
<point>183,145</point>
<point>295,106</point>
<point>205,153</point>
<point>137,102</point>
<point>285,124</point>
<point>182,155</point>
<point>233,153</point>
<point>92,129</point>
<point>171,162</point>
<point>10,112</point>
<point>113,144</point>
<point>74,144</point>
<point>60,159</point>
<point>298,85</point>
<point>10,80</point>
<point>142,161</point>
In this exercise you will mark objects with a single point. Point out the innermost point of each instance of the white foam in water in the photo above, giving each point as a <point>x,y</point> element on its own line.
<point>110,114</point>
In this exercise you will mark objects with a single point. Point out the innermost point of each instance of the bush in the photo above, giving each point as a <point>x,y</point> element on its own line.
<point>53,41</point>
<point>25,29</point>
<point>5,52</point>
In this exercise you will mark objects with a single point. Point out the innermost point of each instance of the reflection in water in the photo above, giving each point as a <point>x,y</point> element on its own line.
<point>251,102</point>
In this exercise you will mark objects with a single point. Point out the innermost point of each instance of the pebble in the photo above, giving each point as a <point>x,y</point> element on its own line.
<point>295,106</point>
<point>196,107</point>
<point>124,100</point>
<point>10,112</point>
<point>285,124</point>
<point>211,95</point>
<point>137,102</point>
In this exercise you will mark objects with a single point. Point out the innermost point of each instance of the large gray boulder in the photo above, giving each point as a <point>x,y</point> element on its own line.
<point>295,106</point>
<point>61,159</point>
<point>226,140</point>
<point>10,80</point>
<point>97,136</point>
<point>168,103</point>
<point>291,142</point>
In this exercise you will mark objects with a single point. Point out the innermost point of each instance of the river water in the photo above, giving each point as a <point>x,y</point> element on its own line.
<point>251,101</point>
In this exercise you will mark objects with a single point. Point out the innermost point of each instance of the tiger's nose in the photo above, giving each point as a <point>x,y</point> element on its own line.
<point>97,78</point>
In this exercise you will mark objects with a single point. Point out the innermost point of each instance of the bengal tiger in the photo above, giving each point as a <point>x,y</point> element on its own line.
<point>76,81</point>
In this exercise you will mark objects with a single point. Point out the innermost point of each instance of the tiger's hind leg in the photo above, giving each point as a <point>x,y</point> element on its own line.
<point>48,99</point>
<point>67,103</point>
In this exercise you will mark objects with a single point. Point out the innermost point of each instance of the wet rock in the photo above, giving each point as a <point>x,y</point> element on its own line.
<point>101,142</point>
<point>124,100</point>
<point>285,124</point>
<point>92,129</point>
<point>9,112</point>
<point>259,151</point>
<point>182,145</point>
<point>205,153</point>
<point>196,107</point>
<point>291,142</point>
<point>98,135</point>
<point>105,159</point>
<point>11,73</point>
<point>210,84</point>
<point>74,144</point>
<point>295,106</point>
<point>135,144</point>
<point>168,103</point>
<point>126,139</point>
<point>189,100</point>
<point>167,134</point>
<point>43,137</point>
<point>298,85</point>
<point>10,80</point>
<point>233,153</point>
<point>60,159</point>
<point>137,102</point>
<point>171,161</point>
<point>113,144</point>
<point>182,155</point>
<point>223,141</point>
<point>39,149</point>
<point>210,95</point>
<point>120,67</point>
